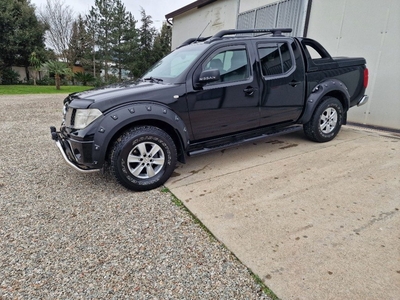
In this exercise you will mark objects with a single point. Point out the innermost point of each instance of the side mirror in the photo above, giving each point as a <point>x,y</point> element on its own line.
<point>208,76</point>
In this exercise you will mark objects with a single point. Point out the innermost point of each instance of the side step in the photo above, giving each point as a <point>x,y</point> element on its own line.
<point>247,140</point>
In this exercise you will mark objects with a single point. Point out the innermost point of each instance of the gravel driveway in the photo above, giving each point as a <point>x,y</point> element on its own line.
<point>68,235</point>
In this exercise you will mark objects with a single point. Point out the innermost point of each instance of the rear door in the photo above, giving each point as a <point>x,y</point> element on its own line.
<point>231,104</point>
<point>282,81</point>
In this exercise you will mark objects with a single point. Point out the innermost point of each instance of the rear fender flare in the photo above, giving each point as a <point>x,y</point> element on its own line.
<point>122,117</point>
<point>325,88</point>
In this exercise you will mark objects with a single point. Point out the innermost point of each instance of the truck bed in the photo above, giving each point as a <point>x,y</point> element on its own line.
<point>320,64</point>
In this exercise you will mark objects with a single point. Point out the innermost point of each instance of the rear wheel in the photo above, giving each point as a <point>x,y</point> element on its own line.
<point>326,121</point>
<point>143,158</point>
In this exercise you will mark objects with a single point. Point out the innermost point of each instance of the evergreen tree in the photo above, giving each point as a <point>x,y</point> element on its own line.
<point>114,36</point>
<point>123,38</point>
<point>130,53</point>
<point>91,24</point>
<point>21,33</point>
<point>147,34</point>
<point>79,47</point>
<point>162,42</point>
<point>104,14</point>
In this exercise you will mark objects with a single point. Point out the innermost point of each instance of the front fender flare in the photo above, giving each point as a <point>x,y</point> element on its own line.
<point>117,119</point>
<point>326,87</point>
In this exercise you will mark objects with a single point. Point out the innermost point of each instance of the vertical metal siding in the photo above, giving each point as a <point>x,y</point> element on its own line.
<point>285,13</point>
<point>266,16</point>
<point>246,20</point>
<point>289,13</point>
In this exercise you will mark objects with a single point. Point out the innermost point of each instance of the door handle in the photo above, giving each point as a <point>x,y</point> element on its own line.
<point>249,91</point>
<point>294,83</point>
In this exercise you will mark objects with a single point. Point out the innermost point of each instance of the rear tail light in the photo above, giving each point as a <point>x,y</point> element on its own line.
<point>365,78</point>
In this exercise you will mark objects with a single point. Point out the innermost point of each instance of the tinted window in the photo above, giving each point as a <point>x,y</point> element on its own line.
<point>232,65</point>
<point>275,59</point>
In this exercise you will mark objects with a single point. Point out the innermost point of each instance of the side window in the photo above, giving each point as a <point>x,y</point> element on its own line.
<point>232,64</point>
<point>275,59</point>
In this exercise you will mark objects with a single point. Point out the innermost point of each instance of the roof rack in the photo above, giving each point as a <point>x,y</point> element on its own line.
<point>193,40</point>
<point>274,31</point>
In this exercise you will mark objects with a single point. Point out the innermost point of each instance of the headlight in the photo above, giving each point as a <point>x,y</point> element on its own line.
<point>83,117</point>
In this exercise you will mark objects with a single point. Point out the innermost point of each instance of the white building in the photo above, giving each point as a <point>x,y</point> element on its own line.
<point>366,28</point>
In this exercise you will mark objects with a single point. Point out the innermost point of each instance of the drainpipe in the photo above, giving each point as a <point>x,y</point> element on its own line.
<point>237,13</point>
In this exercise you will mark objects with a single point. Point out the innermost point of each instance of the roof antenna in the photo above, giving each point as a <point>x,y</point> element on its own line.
<point>203,31</point>
<point>194,40</point>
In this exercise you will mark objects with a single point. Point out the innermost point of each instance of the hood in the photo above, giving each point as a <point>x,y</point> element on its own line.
<point>110,96</point>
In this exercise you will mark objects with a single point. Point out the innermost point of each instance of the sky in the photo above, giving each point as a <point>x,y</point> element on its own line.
<point>157,9</point>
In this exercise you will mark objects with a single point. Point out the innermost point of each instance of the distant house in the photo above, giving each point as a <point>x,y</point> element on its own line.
<point>22,72</point>
<point>367,28</point>
<point>40,74</point>
<point>77,68</point>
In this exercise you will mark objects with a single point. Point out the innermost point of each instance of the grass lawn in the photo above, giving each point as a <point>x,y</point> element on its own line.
<point>40,89</point>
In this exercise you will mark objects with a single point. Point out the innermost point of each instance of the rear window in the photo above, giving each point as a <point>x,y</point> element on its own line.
<point>275,58</point>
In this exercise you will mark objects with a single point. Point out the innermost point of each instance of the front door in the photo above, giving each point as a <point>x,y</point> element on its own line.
<point>229,105</point>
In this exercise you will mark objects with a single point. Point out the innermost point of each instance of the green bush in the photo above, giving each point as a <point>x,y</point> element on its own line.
<point>9,76</point>
<point>46,80</point>
<point>66,81</point>
<point>98,82</point>
<point>84,78</point>
<point>112,79</point>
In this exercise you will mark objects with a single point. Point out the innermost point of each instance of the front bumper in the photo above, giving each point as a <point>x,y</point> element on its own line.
<point>68,154</point>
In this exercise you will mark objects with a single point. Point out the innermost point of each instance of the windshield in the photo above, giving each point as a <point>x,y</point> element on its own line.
<point>175,63</point>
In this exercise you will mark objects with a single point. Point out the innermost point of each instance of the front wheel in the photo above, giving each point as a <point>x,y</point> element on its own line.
<point>326,121</point>
<point>143,158</point>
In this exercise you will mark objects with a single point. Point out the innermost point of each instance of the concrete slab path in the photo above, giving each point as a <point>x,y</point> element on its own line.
<point>313,221</point>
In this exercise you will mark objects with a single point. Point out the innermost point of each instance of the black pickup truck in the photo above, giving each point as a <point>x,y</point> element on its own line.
<point>210,93</point>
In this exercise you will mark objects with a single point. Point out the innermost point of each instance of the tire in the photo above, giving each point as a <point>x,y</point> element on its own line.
<point>143,158</point>
<point>326,121</point>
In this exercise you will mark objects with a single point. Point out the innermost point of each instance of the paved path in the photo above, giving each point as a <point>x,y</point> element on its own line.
<point>314,221</point>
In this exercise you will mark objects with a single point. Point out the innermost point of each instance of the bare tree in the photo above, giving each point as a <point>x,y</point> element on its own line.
<point>59,19</point>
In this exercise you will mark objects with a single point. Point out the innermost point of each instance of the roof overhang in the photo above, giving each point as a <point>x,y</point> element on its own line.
<point>182,10</point>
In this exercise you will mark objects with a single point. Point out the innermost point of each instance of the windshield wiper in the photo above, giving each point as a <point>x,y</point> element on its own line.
<point>153,79</point>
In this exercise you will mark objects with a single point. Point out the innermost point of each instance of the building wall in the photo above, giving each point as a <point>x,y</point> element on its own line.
<point>77,69</point>
<point>222,15</point>
<point>21,72</point>
<point>370,29</point>
<point>246,5</point>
